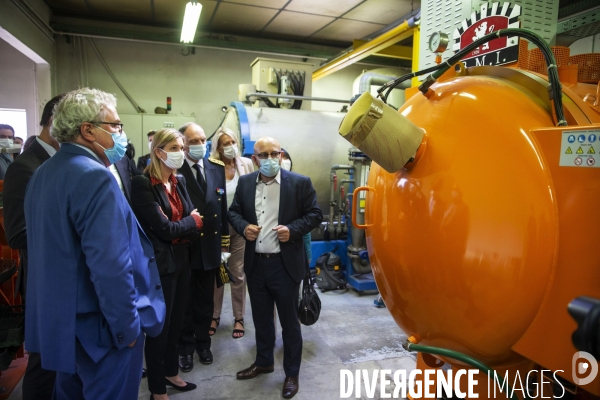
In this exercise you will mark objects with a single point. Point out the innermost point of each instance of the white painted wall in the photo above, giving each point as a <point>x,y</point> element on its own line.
<point>31,54</point>
<point>198,84</point>
<point>17,86</point>
<point>14,21</point>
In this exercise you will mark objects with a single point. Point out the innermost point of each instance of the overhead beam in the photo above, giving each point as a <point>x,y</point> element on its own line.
<point>383,41</point>
<point>395,51</point>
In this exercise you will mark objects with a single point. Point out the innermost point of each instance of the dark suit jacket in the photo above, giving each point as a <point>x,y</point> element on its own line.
<point>126,171</point>
<point>151,206</point>
<point>15,182</point>
<point>142,162</point>
<point>206,253</point>
<point>298,210</point>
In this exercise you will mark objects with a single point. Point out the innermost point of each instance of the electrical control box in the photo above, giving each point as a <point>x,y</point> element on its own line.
<point>267,74</point>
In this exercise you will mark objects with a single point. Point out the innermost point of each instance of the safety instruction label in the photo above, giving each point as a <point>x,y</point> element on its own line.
<point>580,149</point>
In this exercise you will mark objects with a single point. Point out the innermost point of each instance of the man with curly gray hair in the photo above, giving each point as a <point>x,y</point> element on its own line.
<point>93,287</point>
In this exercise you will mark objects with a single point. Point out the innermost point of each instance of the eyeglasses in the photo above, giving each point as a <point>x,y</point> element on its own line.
<point>264,156</point>
<point>115,124</point>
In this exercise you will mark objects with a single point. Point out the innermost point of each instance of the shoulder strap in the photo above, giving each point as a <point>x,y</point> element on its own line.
<point>215,161</point>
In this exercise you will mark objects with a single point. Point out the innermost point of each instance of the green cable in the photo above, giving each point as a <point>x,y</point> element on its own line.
<point>464,358</point>
<point>554,91</point>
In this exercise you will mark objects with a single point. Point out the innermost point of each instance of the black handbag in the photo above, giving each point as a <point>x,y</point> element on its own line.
<point>309,308</point>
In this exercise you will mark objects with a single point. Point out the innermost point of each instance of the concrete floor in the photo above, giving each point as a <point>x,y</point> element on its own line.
<point>351,334</point>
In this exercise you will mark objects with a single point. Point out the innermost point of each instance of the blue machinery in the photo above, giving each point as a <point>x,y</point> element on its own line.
<point>351,243</point>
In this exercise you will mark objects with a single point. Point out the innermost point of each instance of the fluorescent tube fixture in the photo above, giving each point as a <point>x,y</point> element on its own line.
<point>190,21</point>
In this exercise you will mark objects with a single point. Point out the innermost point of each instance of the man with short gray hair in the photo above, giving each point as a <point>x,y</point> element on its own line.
<point>93,287</point>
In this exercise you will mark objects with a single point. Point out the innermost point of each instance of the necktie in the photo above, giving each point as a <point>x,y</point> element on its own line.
<point>200,179</point>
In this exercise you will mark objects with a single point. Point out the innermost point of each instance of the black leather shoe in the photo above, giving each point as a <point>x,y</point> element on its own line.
<point>186,363</point>
<point>290,387</point>
<point>253,371</point>
<point>206,356</point>
<point>188,386</point>
<point>144,373</point>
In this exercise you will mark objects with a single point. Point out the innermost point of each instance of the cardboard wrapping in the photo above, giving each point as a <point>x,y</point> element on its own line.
<point>381,132</point>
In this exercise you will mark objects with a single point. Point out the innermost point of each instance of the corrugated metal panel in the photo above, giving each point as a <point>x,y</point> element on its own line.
<point>440,15</point>
<point>539,16</point>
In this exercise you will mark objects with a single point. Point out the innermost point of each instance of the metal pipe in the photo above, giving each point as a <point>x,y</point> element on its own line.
<point>332,177</point>
<point>372,78</point>
<point>341,183</point>
<point>335,167</point>
<point>338,228</point>
<point>342,201</point>
<point>292,97</point>
<point>271,53</point>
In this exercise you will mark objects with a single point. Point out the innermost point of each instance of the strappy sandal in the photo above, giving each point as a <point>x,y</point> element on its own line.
<point>242,331</point>
<point>211,330</point>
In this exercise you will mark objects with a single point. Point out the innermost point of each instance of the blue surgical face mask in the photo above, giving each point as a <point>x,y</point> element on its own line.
<point>116,152</point>
<point>269,167</point>
<point>197,151</point>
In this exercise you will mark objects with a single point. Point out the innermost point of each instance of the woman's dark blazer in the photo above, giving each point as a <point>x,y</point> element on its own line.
<point>152,209</point>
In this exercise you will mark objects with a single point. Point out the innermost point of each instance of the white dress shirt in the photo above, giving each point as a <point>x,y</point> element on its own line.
<point>201,164</point>
<point>49,149</point>
<point>115,173</point>
<point>266,203</point>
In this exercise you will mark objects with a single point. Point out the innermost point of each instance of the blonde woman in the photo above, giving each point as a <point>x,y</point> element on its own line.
<point>165,212</point>
<point>227,150</point>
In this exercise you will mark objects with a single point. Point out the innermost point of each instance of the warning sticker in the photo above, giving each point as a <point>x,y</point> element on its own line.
<point>577,148</point>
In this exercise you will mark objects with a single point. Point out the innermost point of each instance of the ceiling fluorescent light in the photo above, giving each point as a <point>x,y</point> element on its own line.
<point>190,21</point>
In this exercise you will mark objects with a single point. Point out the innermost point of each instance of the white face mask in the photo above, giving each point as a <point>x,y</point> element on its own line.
<point>174,159</point>
<point>6,143</point>
<point>286,164</point>
<point>150,146</point>
<point>197,151</point>
<point>230,152</point>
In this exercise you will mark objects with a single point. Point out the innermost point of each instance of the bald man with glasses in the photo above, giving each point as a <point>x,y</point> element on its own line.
<point>273,209</point>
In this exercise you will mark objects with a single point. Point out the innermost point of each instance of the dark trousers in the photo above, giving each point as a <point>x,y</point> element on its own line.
<point>116,376</point>
<point>198,316</point>
<point>269,284</point>
<point>38,383</point>
<point>162,359</point>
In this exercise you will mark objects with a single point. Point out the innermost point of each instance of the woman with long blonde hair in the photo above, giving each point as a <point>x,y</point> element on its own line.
<point>165,212</point>
<point>227,150</point>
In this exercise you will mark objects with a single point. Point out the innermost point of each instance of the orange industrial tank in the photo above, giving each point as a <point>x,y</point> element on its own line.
<point>467,237</point>
<point>479,244</point>
<point>464,240</point>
